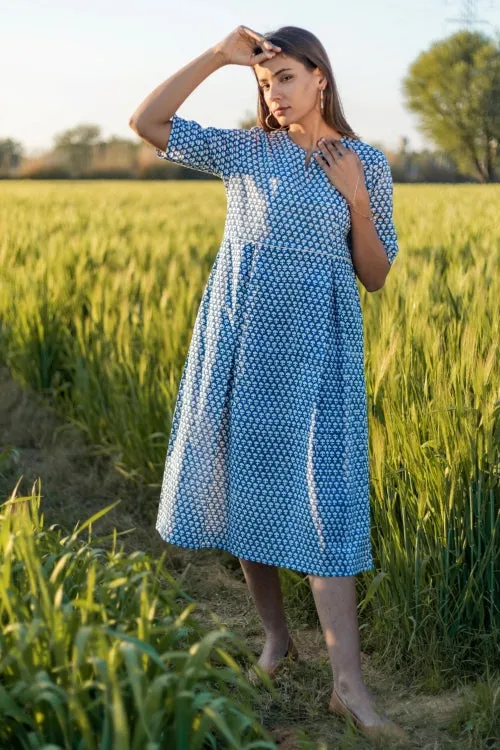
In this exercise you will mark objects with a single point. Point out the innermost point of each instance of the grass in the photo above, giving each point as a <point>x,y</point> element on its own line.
<point>100,287</point>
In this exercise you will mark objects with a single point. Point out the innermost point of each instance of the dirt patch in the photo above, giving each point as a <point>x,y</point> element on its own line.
<point>75,482</point>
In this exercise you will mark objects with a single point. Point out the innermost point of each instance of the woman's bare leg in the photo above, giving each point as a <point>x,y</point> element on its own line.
<point>335,599</point>
<point>264,585</point>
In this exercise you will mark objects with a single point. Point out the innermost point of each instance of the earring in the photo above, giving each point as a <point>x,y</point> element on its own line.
<point>270,126</point>
<point>322,101</point>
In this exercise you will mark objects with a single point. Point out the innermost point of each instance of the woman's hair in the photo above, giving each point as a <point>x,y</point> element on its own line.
<point>305,47</point>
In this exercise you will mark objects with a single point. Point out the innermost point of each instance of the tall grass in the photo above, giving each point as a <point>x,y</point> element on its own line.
<point>100,286</point>
<point>101,650</point>
<point>433,387</point>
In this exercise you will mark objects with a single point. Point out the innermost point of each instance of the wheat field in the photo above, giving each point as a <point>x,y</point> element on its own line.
<point>100,284</point>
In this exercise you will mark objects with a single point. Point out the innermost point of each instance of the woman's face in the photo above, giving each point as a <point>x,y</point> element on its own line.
<point>286,82</point>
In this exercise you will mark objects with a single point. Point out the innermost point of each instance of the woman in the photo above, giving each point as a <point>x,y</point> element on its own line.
<point>268,452</point>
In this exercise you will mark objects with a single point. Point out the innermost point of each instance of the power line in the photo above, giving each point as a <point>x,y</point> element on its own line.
<point>469,14</point>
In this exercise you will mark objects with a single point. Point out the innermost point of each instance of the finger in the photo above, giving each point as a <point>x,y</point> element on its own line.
<point>251,33</point>
<point>266,43</point>
<point>266,54</point>
<point>259,38</point>
<point>268,47</point>
<point>327,153</point>
<point>324,144</point>
<point>340,146</point>
<point>334,154</point>
<point>331,145</point>
<point>262,56</point>
<point>321,161</point>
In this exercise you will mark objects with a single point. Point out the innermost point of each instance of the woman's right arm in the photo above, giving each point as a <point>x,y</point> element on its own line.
<point>151,120</point>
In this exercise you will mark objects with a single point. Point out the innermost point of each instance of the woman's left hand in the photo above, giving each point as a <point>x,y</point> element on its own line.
<point>342,166</point>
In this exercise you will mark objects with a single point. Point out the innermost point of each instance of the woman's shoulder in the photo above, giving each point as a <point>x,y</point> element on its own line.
<point>372,158</point>
<point>371,154</point>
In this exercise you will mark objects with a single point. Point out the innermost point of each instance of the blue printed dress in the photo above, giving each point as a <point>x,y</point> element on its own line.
<point>268,450</point>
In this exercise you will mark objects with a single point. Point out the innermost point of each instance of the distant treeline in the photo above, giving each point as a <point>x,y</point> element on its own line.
<point>79,154</point>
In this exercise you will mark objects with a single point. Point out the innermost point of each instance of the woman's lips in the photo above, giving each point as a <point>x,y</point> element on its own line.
<point>280,110</point>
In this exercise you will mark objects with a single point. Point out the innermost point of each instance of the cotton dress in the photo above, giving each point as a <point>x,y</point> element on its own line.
<point>268,450</point>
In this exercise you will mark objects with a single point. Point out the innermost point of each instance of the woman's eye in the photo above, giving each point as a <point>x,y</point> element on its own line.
<point>283,79</point>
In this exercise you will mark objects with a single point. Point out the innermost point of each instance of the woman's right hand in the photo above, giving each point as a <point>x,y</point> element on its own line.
<point>238,47</point>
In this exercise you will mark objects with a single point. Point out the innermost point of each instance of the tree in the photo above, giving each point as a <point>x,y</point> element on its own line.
<point>11,153</point>
<point>455,89</point>
<point>247,122</point>
<point>77,146</point>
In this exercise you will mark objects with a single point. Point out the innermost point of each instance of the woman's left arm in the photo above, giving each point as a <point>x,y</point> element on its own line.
<point>368,253</point>
<point>374,240</point>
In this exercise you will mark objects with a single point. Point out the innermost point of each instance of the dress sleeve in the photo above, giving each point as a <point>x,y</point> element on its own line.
<point>381,201</point>
<point>218,151</point>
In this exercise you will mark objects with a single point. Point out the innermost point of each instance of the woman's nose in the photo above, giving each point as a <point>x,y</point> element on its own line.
<point>274,91</point>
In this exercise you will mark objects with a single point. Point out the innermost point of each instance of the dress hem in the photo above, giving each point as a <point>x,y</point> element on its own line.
<point>255,558</point>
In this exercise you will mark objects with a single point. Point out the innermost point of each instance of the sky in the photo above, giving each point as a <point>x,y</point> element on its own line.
<point>63,64</point>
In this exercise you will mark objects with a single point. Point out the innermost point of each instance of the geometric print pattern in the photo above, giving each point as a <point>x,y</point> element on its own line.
<point>268,450</point>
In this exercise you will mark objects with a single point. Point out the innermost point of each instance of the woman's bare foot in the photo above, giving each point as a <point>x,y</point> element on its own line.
<point>275,648</point>
<point>358,704</point>
<point>359,699</point>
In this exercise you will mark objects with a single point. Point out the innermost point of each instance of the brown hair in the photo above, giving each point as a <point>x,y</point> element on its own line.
<point>304,46</point>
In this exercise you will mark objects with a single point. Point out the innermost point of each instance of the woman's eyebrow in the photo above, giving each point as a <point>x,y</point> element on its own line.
<point>274,74</point>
